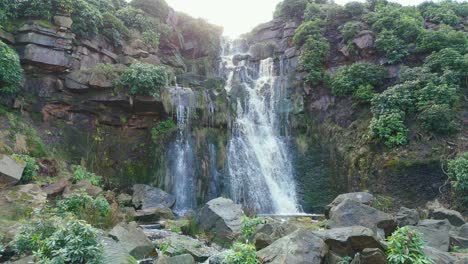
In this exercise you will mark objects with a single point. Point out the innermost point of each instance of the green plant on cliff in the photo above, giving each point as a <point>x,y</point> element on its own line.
<point>156,8</point>
<point>349,30</point>
<point>390,128</point>
<point>443,37</point>
<point>31,169</point>
<point>80,173</point>
<point>391,46</point>
<point>348,78</point>
<point>10,69</point>
<point>316,50</point>
<point>354,8</point>
<point>151,39</point>
<point>458,175</point>
<point>163,130</point>
<point>291,9</point>
<point>249,226</point>
<point>144,79</point>
<point>87,19</point>
<point>241,254</point>
<point>405,246</point>
<point>114,29</point>
<point>307,30</point>
<point>443,12</point>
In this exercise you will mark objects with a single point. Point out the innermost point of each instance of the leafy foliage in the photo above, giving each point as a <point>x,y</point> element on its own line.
<point>156,8</point>
<point>144,79</point>
<point>439,118</point>
<point>313,57</point>
<point>80,173</point>
<point>354,8</point>
<point>162,130</point>
<point>151,39</point>
<point>390,128</point>
<point>87,19</point>
<point>241,254</point>
<point>458,175</point>
<point>249,226</point>
<point>349,30</point>
<point>364,93</point>
<point>405,246</point>
<point>443,37</point>
<point>114,29</point>
<point>444,12</point>
<point>348,78</point>
<point>32,235</point>
<point>447,59</point>
<point>307,30</point>
<point>31,169</point>
<point>291,9</point>
<point>393,47</point>
<point>10,69</point>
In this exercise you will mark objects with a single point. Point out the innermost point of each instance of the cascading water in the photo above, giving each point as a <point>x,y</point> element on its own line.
<point>259,165</point>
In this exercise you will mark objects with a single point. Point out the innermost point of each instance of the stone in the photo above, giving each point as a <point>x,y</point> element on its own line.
<point>11,171</point>
<point>373,256</point>
<point>438,256</point>
<point>458,241</point>
<point>56,188</point>
<point>463,231</point>
<point>354,213</point>
<point>77,80</point>
<point>435,233</point>
<point>348,240</point>
<point>222,218</point>
<point>181,259</point>
<point>63,21</point>
<point>406,216</point>
<point>462,260</point>
<point>53,60</point>
<point>146,197</point>
<point>454,217</point>
<point>364,40</point>
<point>23,260</point>
<point>7,37</point>
<point>301,246</point>
<point>133,240</point>
<point>53,42</point>
<point>100,81</point>
<point>152,215</point>
<point>267,233</point>
<point>114,252</point>
<point>124,199</point>
<point>362,197</point>
<point>345,51</point>
<point>83,185</point>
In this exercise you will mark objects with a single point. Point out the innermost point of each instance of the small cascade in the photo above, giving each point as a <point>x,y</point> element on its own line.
<point>259,165</point>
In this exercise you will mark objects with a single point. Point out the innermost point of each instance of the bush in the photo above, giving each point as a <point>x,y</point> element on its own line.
<point>151,39</point>
<point>444,37</point>
<point>458,175</point>
<point>405,22</point>
<point>40,9</point>
<point>10,69</point>
<point>441,14</point>
<point>390,128</point>
<point>291,9</point>
<point>398,98</point>
<point>349,30</point>
<point>34,233</point>
<point>156,8</point>
<point>438,118</point>
<point>144,79</point>
<point>436,94</point>
<point>114,29</point>
<point>447,59</point>
<point>393,47</point>
<point>307,30</point>
<point>312,12</point>
<point>406,246</point>
<point>364,94</point>
<point>348,78</point>
<point>249,226</point>
<point>80,173</point>
<point>31,169</point>
<point>313,58</point>
<point>354,8</point>
<point>63,6</point>
<point>241,254</point>
<point>87,19</point>
<point>162,130</point>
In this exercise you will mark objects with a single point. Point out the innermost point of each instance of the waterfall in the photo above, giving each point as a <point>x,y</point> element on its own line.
<point>259,165</point>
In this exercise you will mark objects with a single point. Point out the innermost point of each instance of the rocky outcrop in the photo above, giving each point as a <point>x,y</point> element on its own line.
<point>222,218</point>
<point>181,259</point>
<point>152,215</point>
<point>454,217</point>
<point>11,171</point>
<point>133,240</point>
<point>82,186</point>
<point>438,257</point>
<point>362,197</point>
<point>268,233</point>
<point>301,246</point>
<point>147,197</point>
<point>435,233</point>
<point>406,216</point>
<point>115,252</point>
<point>370,256</point>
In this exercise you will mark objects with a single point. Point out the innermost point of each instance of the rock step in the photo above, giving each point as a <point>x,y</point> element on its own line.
<point>300,215</point>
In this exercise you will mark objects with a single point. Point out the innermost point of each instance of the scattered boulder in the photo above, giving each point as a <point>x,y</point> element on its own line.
<point>56,188</point>
<point>267,233</point>
<point>301,246</point>
<point>362,197</point>
<point>458,241</point>
<point>222,218</point>
<point>353,213</point>
<point>146,197</point>
<point>438,256</point>
<point>152,215</point>
<point>364,40</point>
<point>348,240</point>
<point>124,199</point>
<point>133,239</point>
<point>114,252</point>
<point>435,233</point>
<point>463,230</point>
<point>11,171</point>
<point>373,256</point>
<point>63,21</point>
<point>454,217</point>
<point>181,259</point>
<point>83,185</point>
<point>406,216</point>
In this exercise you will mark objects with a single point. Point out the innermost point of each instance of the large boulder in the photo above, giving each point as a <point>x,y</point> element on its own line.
<point>146,197</point>
<point>267,233</point>
<point>11,171</point>
<point>181,259</point>
<point>56,188</point>
<point>406,216</point>
<point>222,218</point>
<point>362,197</point>
<point>114,252</point>
<point>353,213</point>
<point>152,215</point>
<point>133,240</point>
<point>454,217</point>
<point>349,240</point>
<point>301,246</point>
<point>438,256</point>
<point>373,256</point>
<point>50,59</point>
<point>435,233</point>
<point>82,186</point>
<point>364,40</point>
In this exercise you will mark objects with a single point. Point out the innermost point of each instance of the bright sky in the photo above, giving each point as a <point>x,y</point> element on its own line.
<point>239,16</point>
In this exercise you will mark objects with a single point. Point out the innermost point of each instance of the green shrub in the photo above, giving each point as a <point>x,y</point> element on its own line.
<point>393,47</point>
<point>438,118</point>
<point>390,128</point>
<point>447,59</point>
<point>40,9</point>
<point>364,94</point>
<point>441,14</point>
<point>249,226</point>
<point>144,79</point>
<point>136,18</point>
<point>349,30</point>
<point>312,12</point>
<point>291,9</point>
<point>332,12</point>
<point>307,30</point>
<point>398,98</point>
<point>313,57</point>
<point>31,169</point>
<point>80,173</point>
<point>162,130</point>
<point>151,39</point>
<point>241,254</point>
<point>114,29</point>
<point>405,246</point>
<point>10,69</point>
<point>405,22</point>
<point>34,233</point>
<point>444,37</point>
<point>156,8</point>
<point>436,94</point>
<point>348,78</point>
<point>458,175</point>
<point>87,19</point>
<point>354,8</point>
